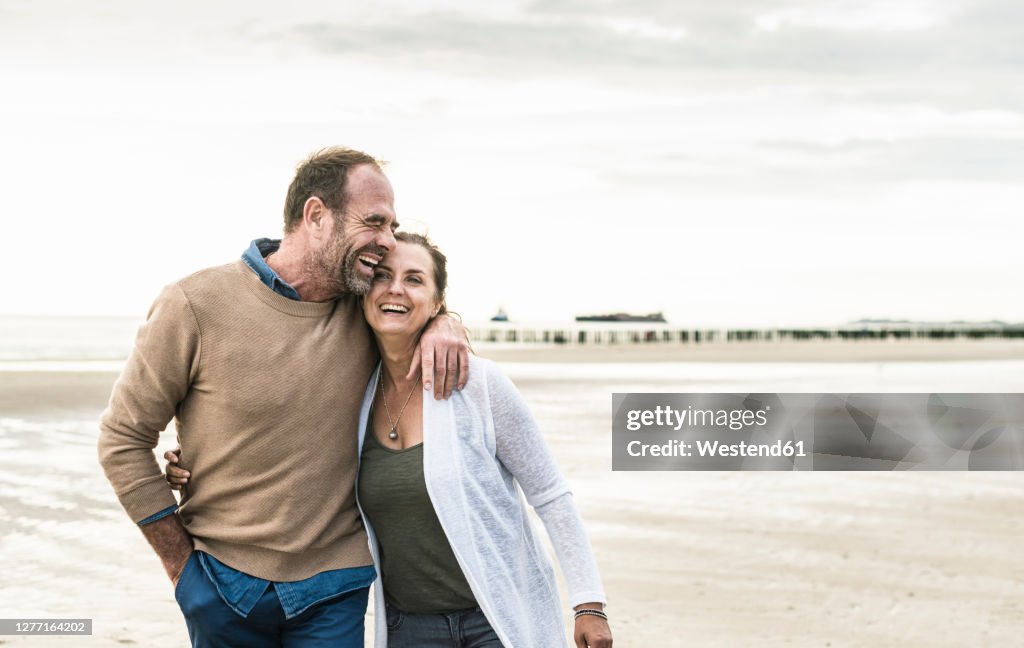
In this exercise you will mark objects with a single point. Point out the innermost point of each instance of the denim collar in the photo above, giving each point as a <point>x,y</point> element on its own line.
<point>254,258</point>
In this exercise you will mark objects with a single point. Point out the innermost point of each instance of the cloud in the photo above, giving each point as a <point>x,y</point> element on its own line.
<point>961,53</point>
<point>896,51</point>
<point>985,159</point>
<point>521,46</point>
<point>850,171</point>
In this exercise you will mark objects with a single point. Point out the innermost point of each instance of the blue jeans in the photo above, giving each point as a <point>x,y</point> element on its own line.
<point>464,629</point>
<point>337,623</point>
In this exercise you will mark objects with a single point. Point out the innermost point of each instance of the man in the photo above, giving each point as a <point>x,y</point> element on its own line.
<point>262,363</point>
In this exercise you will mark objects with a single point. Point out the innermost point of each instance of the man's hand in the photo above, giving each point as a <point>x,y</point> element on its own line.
<point>443,356</point>
<point>591,631</point>
<point>171,542</point>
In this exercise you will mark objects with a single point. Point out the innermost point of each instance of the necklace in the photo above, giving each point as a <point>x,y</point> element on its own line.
<point>393,434</point>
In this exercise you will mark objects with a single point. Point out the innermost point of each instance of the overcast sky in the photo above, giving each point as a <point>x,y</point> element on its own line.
<point>730,163</point>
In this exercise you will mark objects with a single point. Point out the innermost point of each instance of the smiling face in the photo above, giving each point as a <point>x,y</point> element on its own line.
<point>360,236</point>
<point>403,295</point>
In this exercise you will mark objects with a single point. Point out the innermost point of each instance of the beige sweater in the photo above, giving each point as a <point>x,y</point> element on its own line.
<point>265,394</point>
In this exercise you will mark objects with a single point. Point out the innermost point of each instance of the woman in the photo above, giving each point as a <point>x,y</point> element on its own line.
<point>458,557</point>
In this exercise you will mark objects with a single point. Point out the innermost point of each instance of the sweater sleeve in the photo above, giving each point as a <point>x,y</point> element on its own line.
<point>521,448</point>
<point>146,396</point>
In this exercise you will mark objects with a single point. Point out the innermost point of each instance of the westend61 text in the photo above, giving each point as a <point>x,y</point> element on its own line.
<point>676,448</point>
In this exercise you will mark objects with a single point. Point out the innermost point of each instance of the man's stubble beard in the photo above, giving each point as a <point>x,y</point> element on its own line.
<point>334,266</point>
<point>354,282</point>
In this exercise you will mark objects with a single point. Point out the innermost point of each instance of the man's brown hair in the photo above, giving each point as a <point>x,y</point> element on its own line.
<point>322,175</point>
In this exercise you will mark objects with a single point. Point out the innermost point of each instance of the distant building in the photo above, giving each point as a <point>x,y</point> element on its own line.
<point>622,317</point>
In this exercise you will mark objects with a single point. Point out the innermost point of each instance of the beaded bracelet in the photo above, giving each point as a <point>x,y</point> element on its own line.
<point>586,611</point>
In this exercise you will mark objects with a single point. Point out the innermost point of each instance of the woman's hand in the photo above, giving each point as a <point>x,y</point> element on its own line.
<point>176,476</point>
<point>443,353</point>
<point>591,631</point>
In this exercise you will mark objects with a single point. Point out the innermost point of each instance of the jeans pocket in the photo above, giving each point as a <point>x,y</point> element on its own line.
<point>184,574</point>
<point>395,617</point>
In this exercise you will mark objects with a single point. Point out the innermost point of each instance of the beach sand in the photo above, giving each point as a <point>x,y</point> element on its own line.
<point>816,351</point>
<point>54,394</point>
<point>688,559</point>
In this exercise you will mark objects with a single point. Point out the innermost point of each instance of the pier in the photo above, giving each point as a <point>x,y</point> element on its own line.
<point>614,333</point>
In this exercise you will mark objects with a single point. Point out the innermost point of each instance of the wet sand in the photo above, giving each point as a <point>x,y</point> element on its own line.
<point>688,559</point>
<point>788,351</point>
<point>54,394</point>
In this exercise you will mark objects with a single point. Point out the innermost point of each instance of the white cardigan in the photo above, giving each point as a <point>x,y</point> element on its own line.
<point>477,446</point>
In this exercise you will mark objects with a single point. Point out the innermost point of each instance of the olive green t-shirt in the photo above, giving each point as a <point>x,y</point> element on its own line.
<point>419,569</point>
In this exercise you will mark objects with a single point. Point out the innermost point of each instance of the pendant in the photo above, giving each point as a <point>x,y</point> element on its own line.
<point>392,434</point>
